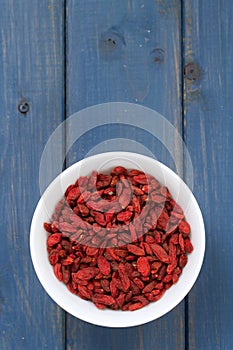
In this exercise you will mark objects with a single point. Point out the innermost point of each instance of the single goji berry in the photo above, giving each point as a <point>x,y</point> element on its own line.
<point>188,245</point>
<point>143,266</point>
<point>134,249</point>
<point>103,299</point>
<point>87,273</point>
<point>103,265</point>
<point>65,274</point>
<point>183,260</point>
<point>85,291</point>
<point>160,252</point>
<point>124,216</point>
<point>149,287</point>
<point>54,256</point>
<point>124,277</point>
<point>57,271</point>
<point>53,239</point>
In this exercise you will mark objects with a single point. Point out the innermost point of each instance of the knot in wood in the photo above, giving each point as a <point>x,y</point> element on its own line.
<point>23,106</point>
<point>192,71</point>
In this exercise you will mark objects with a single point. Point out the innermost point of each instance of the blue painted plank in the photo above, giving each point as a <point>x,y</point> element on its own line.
<point>142,67</point>
<point>31,56</point>
<point>125,51</point>
<point>208,43</point>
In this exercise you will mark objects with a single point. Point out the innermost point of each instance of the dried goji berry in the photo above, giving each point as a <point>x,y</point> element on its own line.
<point>57,271</point>
<point>184,227</point>
<point>132,248</point>
<point>48,227</point>
<point>183,260</point>
<point>103,299</point>
<point>85,291</point>
<point>68,261</point>
<point>124,215</point>
<point>53,239</point>
<point>149,287</point>
<point>54,256</point>
<point>87,273</point>
<point>188,246</point>
<point>143,266</point>
<point>135,306</point>
<point>160,253</point>
<point>103,265</point>
<point>118,258</point>
<point>65,274</point>
<point>124,277</point>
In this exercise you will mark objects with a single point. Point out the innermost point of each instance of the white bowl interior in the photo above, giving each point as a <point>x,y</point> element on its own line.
<point>86,310</point>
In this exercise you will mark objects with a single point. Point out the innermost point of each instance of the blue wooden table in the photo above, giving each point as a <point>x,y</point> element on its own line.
<point>60,56</point>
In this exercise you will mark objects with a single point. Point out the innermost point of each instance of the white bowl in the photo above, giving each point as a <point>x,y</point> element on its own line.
<point>86,310</point>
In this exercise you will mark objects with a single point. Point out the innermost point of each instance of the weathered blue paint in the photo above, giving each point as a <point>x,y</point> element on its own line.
<point>209,131</point>
<point>32,61</point>
<point>132,51</point>
<point>125,51</point>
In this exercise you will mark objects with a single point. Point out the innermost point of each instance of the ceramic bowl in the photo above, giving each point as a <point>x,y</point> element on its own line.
<point>86,310</point>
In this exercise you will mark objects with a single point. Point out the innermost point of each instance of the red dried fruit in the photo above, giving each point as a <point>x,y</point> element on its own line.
<point>181,242</point>
<point>48,227</point>
<point>73,194</point>
<point>103,265</point>
<point>124,216</point>
<point>137,190</point>
<point>119,170</point>
<point>86,273</point>
<point>133,232</point>
<point>141,299</point>
<point>103,299</point>
<point>105,284</point>
<point>124,277</point>
<point>135,306</point>
<point>173,260</point>
<point>113,288</point>
<point>155,266</point>
<point>167,278</point>
<point>92,251</point>
<point>143,266</point>
<point>84,196</point>
<point>84,211</point>
<point>121,299</point>
<point>141,179</point>
<point>99,218</point>
<point>92,181</point>
<point>65,226</point>
<point>149,287</point>
<point>138,282</point>
<point>54,256</point>
<point>150,239</point>
<point>160,252</point>
<point>68,261</point>
<point>134,249</point>
<point>125,197</point>
<point>175,278</point>
<point>53,239</point>
<point>57,271</point>
<point>65,274</point>
<point>183,260</point>
<point>188,246</point>
<point>85,291</point>
<point>184,228</point>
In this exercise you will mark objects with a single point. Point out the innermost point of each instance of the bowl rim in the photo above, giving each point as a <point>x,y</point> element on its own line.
<point>134,321</point>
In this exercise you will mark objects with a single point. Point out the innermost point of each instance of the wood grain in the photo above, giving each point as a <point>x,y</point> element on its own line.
<point>32,68</point>
<point>208,42</point>
<point>125,51</point>
<point>142,63</point>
